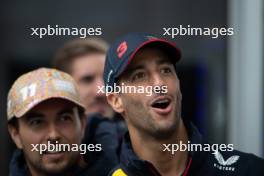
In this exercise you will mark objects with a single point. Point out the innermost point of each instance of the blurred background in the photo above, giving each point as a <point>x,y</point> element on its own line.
<point>221,79</point>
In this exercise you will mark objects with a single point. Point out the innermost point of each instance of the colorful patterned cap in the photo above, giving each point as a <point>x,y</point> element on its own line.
<point>37,86</point>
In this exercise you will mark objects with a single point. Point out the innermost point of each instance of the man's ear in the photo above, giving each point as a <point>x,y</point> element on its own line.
<point>116,102</point>
<point>83,123</point>
<point>14,133</point>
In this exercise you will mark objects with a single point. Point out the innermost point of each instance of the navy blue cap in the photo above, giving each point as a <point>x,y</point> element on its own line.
<point>122,52</point>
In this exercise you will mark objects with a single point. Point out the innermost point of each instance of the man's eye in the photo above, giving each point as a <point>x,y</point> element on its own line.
<point>138,76</point>
<point>66,117</point>
<point>35,122</point>
<point>87,79</point>
<point>166,70</point>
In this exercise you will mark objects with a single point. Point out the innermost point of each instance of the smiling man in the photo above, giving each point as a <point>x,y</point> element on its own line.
<point>47,123</point>
<point>154,122</point>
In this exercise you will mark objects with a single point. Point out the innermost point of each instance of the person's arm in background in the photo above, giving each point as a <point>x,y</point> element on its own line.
<point>100,130</point>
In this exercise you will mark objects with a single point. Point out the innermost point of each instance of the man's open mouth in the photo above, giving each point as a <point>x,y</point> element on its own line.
<point>161,103</point>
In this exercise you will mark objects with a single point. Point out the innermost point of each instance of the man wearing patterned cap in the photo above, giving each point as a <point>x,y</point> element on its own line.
<point>44,109</point>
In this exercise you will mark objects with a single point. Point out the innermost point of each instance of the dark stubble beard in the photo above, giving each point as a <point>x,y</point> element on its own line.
<point>70,167</point>
<point>146,125</point>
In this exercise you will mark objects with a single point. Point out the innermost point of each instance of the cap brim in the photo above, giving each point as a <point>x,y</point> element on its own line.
<point>169,46</point>
<point>37,102</point>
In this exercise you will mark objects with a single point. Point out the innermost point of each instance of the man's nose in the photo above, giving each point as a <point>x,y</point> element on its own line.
<point>53,133</point>
<point>158,80</point>
<point>99,83</point>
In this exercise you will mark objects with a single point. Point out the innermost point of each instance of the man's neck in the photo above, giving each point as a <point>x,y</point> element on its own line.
<point>152,150</point>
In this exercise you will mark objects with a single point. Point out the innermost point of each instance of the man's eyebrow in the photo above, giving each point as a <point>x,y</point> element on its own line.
<point>164,61</point>
<point>133,69</point>
<point>32,115</point>
<point>68,109</point>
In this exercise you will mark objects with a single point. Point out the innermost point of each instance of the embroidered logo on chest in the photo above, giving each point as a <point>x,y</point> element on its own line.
<point>225,164</point>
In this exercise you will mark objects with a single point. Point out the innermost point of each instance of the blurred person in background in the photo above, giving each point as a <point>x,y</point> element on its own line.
<point>84,60</point>
<point>44,107</point>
